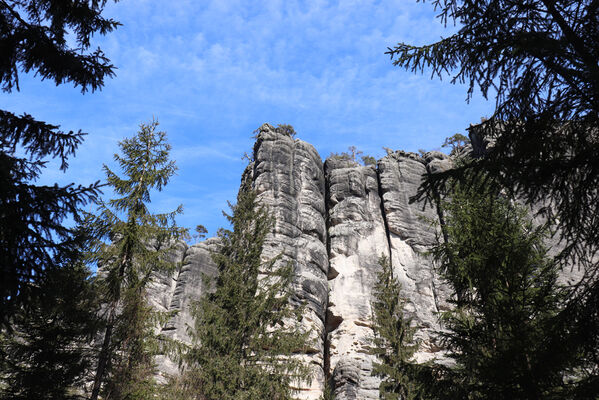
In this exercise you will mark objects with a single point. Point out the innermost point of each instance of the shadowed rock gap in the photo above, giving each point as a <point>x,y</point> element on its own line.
<point>384,216</point>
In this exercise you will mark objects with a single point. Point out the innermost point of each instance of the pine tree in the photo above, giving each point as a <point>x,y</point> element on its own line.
<point>246,331</point>
<point>507,301</point>
<point>130,251</point>
<point>393,342</point>
<point>33,38</point>
<point>539,60</point>
<point>47,355</point>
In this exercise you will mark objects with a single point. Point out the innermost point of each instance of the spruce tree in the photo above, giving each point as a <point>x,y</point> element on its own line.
<point>50,38</point>
<point>393,341</point>
<point>47,355</point>
<point>507,302</point>
<point>246,331</point>
<point>133,245</point>
<point>538,59</point>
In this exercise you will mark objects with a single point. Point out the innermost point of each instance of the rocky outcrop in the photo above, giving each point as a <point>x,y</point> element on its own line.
<point>357,239</point>
<point>288,176</point>
<point>411,231</point>
<point>333,223</point>
<point>175,294</point>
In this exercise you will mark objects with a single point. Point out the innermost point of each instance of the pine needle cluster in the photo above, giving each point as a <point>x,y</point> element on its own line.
<point>49,39</point>
<point>507,302</point>
<point>48,353</point>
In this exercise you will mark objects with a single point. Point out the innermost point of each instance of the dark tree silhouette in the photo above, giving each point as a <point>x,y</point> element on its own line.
<point>33,38</point>
<point>540,60</point>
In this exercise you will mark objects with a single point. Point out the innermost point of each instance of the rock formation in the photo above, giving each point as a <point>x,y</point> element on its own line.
<point>333,222</point>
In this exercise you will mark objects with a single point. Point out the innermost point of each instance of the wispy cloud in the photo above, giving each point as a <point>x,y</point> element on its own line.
<point>213,71</point>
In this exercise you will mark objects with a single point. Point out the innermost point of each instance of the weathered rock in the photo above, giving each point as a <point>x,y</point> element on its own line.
<point>188,286</point>
<point>411,231</point>
<point>333,224</point>
<point>357,239</point>
<point>288,176</point>
<point>162,286</point>
<point>197,266</point>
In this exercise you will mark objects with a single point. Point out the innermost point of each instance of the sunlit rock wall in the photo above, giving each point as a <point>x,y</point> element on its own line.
<point>357,239</point>
<point>333,223</point>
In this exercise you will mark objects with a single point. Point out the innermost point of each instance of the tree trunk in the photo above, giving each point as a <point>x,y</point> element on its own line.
<point>103,359</point>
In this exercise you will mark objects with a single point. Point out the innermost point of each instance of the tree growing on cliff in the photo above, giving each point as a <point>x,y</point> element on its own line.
<point>246,330</point>
<point>286,129</point>
<point>539,59</point>
<point>507,303</point>
<point>393,341</point>
<point>133,245</point>
<point>50,38</point>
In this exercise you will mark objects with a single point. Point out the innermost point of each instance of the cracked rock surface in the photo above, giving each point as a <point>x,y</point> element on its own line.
<point>333,222</point>
<point>357,239</point>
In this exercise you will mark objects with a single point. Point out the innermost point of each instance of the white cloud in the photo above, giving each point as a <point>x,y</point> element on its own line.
<point>213,71</point>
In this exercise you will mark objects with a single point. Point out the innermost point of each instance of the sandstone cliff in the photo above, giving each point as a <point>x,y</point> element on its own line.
<point>333,222</point>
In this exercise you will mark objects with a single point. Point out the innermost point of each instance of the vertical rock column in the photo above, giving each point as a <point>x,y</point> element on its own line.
<point>288,177</point>
<point>411,232</point>
<point>357,239</point>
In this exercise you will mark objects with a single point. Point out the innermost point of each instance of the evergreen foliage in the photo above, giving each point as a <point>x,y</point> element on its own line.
<point>368,160</point>
<point>539,59</point>
<point>328,393</point>
<point>47,355</point>
<point>246,331</point>
<point>393,342</point>
<point>456,142</point>
<point>133,245</point>
<point>355,155</point>
<point>33,38</point>
<point>507,301</point>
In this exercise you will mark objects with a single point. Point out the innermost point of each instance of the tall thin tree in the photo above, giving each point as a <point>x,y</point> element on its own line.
<point>393,341</point>
<point>134,245</point>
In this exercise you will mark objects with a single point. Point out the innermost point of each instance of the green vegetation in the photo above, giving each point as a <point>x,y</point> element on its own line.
<point>34,238</point>
<point>393,342</point>
<point>245,332</point>
<point>507,301</point>
<point>328,393</point>
<point>355,155</point>
<point>456,142</point>
<point>200,232</point>
<point>538,58</point>
<point>129,252</point>
<point>286,129</point>
<point>48,354</point>
<point>368,160</point>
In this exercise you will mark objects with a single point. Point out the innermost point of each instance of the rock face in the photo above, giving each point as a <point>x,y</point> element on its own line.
<point>333,223</point>
<point>177,293</point>
<point>411,231</point>
<point>288,177</point>
<point>357,239</point>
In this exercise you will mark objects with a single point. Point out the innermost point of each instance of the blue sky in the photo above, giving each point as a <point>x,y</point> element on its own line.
<point>213,71</point>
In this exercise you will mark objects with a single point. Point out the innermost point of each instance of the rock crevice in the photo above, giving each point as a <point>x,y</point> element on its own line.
<point>333,222</point>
